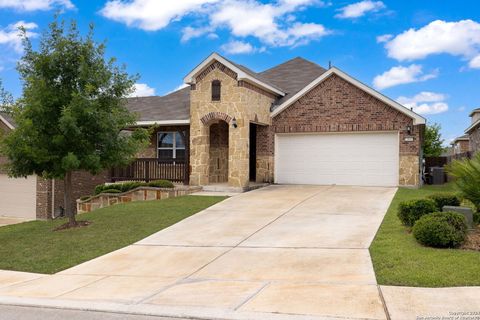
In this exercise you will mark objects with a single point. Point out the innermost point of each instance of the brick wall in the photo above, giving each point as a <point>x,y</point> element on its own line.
<point>83,184</point>
<point>475,139</point>
<point>3,130</point>
<point>335,105</point>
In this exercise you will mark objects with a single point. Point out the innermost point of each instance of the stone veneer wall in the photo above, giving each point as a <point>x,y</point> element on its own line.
<point>238,101</point>
<point>335,105</point>
<point>475,139</point>
<point>138,194</point>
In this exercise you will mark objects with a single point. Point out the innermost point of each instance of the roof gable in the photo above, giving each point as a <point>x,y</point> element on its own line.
<point>7,120</point>
<point>417,119</point>
<point>242,72</point>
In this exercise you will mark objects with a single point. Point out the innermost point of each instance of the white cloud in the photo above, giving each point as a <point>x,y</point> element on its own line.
<point>142,90</point>
<point>33,5</point>
<point>402,75</point>
<point>460,38</point>
<point>359,9</point>
<point>425,102</point>
<point>272,23</point>
<point>239,47</point>
<point>10,36</point>
<point>152,15</point>
<point>475,62</point>
<point>384,38</point>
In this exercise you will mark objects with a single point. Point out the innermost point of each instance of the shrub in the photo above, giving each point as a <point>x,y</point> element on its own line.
<point>111,191</point>
<point>467,178</point>
<point>160,184</point>
<point>127,186</point>
<point>410,211</point>
<point>441,230</point>
<point>445,199</point>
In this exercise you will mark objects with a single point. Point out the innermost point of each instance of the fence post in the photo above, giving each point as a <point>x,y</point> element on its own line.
<point>147,171</point>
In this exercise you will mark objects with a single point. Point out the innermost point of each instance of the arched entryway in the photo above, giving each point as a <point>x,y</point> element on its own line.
<point>218,152</point>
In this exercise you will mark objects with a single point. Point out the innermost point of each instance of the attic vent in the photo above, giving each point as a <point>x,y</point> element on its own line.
<point>216,90</point>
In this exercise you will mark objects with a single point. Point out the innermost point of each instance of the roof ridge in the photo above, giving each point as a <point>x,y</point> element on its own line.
<point>289,61</point>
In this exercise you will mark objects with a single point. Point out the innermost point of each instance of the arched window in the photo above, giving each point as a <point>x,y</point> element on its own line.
<point>216,90</point>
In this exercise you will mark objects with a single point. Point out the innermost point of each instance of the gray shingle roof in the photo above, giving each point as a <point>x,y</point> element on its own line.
<point>292,76</point>
<point>173,106</point>
<point>289,77</point>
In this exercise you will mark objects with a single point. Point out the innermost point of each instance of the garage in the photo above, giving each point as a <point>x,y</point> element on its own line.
<point>18,197</point>
<point>358,159</point>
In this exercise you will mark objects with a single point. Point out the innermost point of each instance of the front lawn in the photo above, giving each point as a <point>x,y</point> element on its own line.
<point>399,260</point>
<point>34,247</point>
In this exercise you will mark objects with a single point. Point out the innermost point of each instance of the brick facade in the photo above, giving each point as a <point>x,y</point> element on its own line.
<point>474,136</point>
<point>335,105</point>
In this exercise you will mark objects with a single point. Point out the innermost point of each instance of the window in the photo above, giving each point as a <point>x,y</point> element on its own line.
<point>171,145</point>
<point>216,90</point>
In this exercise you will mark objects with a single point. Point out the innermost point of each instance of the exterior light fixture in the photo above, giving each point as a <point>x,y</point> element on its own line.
<point>234,122</point>
<point>409,129</point>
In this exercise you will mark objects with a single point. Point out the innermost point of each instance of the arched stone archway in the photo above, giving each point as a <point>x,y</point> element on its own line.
<point>214,116</point>
<point>218,152</point>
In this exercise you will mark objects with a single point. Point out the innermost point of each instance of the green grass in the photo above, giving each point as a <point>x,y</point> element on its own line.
<point>34,247</point>
<point>399,260</point>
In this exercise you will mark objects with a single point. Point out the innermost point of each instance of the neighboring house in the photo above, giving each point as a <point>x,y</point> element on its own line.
<point>33,197</point>
<point>295,123</point>
<point>461,144</point>
<point>473,131</point>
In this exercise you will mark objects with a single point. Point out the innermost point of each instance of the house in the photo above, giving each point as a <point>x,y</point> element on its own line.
<point>461,144</point>
<point>473,131</point>
<point>294,123</point>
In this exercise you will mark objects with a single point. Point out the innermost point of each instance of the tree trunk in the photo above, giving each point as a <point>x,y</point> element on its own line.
<point>67,199</point>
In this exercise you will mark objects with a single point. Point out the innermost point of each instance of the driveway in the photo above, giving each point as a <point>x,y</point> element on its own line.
<point>281,252</point>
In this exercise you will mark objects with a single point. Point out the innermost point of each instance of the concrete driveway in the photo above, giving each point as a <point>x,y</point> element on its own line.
<point>281,252</point>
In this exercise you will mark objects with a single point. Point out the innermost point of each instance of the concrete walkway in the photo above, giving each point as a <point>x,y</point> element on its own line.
<point>281,252</point>
<point>6,221</point>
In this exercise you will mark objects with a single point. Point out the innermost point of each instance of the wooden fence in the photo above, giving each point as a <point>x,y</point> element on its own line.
<point>149,169</point>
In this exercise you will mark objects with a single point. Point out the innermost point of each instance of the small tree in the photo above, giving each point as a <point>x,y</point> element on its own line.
<point>433,141</point>
<point>467,178</point>
<point>72,110</point>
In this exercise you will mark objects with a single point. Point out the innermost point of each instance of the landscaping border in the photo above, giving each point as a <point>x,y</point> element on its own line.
<point>138,194</point>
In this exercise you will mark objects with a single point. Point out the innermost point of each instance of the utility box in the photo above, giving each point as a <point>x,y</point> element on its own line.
<point>466,212</point>
<point>438,175</point>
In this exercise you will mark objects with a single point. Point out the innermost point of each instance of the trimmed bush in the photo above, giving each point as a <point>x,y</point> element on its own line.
<point>111,191</point>
<point>410,211</point>
<point>445,199</point>
<point>127,186</point>
<point>85,198</point>
<point>160,184</point>
<point>441,230</point>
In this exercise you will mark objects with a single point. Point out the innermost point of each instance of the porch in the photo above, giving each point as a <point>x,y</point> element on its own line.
<point>150,169</point>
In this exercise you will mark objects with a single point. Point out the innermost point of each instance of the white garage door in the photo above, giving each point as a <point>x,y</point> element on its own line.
<point>18,197</point>
<point>361,159</point>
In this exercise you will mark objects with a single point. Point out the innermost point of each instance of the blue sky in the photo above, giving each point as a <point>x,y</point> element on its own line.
<point>425,54</point>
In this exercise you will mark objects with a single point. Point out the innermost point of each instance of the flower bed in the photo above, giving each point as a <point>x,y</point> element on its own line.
<point>138,194</point>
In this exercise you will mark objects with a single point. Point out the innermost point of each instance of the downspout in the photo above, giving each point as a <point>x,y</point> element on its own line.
<point>53,198</point>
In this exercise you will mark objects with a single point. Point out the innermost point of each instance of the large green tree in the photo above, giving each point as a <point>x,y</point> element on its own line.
<point>433,141</point>
<point>72,110</point>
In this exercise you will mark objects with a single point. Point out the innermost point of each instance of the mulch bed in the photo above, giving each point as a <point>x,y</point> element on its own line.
<point>67,225</point>
<point>473,240</point>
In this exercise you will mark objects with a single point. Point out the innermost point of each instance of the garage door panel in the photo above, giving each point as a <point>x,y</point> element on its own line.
<point>344,159</point>
<point>18,197</point>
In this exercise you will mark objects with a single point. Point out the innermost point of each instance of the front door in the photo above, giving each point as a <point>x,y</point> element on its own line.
<point>253,152</point>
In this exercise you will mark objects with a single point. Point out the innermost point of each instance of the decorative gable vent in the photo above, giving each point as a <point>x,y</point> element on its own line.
<point>216,90</point>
